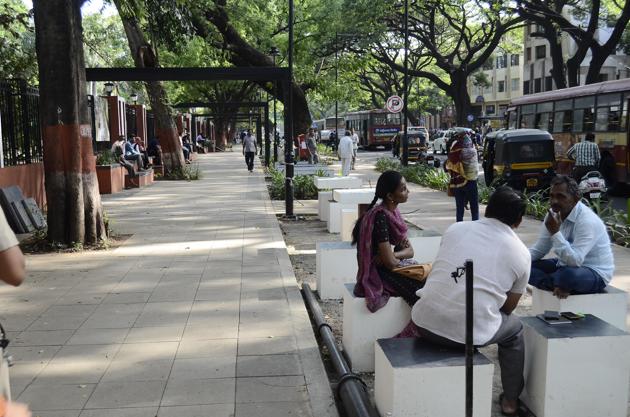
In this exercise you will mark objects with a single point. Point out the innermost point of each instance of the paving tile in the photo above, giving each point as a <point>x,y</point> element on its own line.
<point>126,394</point>
<point>121,412</point>
<point>271,389</point>
<point>98,336</point>
<point>190,349</point>
<point>155,334</point>
<point>138,352</point>
<point>42,337</point>
<point>40,354</point>
<point>268,365</point>
<point>164,314</point>
<point>286,409</point>
<point>265,330</point>
<point>199,391</point>
<point>204,332</point>
<point>148,370</point>
<point>57,413</point>
<point>266,345</point>
<point>56,396</point>
<point>127,297</point>
<point>211,410</point>
<point>204,368</point>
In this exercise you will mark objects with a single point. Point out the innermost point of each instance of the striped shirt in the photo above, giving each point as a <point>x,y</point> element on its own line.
<point>586,154</point>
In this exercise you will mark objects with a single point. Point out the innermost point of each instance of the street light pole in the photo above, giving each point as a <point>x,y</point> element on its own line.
<point>405,138</point>
<point>336,87</point>
<point>274,52</point>
<point>288,130</point>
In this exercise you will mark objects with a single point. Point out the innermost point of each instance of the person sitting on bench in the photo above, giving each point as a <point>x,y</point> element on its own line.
<point>118,150</point>
<point>133,155</point>
<point>155,150</point>
<point>501,268</point>
<point>578,237</point>
<point>376,231</point>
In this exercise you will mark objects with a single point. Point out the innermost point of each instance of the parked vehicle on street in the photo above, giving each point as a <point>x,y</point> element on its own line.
<point>374,127</point>
<point>439,143</point>
<point>417,146</point>
<point>568,114</point>
<point>593,186</point>
<point>521,158</point>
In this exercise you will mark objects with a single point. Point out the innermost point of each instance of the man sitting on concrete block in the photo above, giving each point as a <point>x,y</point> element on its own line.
<point>500,277</point>
<point>578,237</point>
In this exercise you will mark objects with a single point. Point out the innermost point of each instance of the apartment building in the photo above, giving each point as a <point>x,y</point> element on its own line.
<point>504,73</point>
<point>537,66</point>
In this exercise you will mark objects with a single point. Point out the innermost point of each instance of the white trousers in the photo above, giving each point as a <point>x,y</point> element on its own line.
<point>345,166</point>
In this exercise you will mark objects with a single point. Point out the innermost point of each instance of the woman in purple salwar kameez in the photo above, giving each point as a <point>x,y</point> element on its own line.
<point>382,244</point>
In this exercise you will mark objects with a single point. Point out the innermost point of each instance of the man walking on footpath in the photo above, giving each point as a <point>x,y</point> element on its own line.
<point>355,146</point>
<point>586,155</point>
<point>249,150</point>
<point>346,152</point>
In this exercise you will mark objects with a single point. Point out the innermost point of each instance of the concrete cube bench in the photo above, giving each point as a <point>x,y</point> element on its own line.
<point>610,305</point>
<point>334,183</point>
<point>579,369</point>
<point>348,220</point>
<point>336,264</point>
<point>415,378</point>
<point>323,201</point>
<point>346,199</point>
<point>361,328</point>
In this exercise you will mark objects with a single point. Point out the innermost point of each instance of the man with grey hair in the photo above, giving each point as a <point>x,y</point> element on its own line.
<point>579,239</point>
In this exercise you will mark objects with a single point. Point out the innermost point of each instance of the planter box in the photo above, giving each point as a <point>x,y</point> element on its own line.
<point>111,178</point>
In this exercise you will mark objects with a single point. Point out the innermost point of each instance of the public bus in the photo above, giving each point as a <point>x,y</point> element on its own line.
<point>327,125</point>
<point>568,114</point>
<point>374,127</point>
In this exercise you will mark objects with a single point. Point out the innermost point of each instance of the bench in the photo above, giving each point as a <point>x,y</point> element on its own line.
<point>579,369</point>
<point>334,183</point>
<point>336,265</point>
<point>323,201</point>
<point>415,378</point>
<point>348,220</point>
<point>610,305</point>
<point>346,199</point>
<point>141,179</point>
<point>361,328</point>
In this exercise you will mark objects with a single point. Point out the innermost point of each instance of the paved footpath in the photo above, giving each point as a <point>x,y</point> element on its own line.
<point>197,314</point>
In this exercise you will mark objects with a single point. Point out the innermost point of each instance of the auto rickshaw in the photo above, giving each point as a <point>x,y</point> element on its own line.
<point>417,146</point>
<point>524,159</point>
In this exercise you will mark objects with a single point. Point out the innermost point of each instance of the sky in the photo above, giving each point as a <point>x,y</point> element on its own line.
<point>90,7</point>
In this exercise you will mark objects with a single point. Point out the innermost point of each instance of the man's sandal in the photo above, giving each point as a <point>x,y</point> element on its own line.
<point>512,414</point>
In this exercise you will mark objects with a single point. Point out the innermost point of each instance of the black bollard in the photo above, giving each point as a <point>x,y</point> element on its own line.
<point>470,348</point>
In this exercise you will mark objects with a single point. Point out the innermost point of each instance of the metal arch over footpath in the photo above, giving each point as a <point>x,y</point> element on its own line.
<point>257,74</point>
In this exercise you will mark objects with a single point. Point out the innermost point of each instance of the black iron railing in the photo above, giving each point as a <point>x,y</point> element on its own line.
<point>19,118</point>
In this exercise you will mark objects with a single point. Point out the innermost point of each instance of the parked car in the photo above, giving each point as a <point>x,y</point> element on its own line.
<point>440,141</point>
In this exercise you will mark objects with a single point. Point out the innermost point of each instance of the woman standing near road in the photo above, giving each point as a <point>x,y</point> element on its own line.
<point>380,228</point>
<point>463,168</point>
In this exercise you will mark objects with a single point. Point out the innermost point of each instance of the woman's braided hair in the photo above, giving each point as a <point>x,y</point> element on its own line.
<point>387,183</point>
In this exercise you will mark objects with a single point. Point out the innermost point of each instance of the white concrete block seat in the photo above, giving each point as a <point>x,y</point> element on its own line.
<point>610,305</point>
<point>416,378</point>
<point>348,220</point>
<point>332,183</point>
<point>336,262</point>
<point>333,220</point>
<point>348,199</point>
<point>361,328</point>
<point>579,369</point>
<point>323,201</point>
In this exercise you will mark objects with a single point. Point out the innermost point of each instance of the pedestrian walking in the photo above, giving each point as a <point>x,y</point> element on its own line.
<point>346,152</point>
<point>333,140</point>
<point>249,150</point>
<point>463,169</point>
<point>586,156</point>
<point>355,146</point>
<point>311,145</point>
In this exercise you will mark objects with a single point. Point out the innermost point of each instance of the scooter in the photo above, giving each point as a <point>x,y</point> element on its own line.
<point>593,186</point>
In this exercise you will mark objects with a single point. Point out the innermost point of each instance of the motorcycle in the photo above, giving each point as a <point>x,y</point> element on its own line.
<point>593,186</point>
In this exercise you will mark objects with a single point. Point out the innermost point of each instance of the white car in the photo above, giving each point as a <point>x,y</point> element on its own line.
<point>439,143</point>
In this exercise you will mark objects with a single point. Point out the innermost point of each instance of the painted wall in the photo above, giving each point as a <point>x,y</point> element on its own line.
<point>30,178</point>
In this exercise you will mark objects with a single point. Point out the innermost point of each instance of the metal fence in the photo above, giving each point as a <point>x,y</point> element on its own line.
<point>19,118</point>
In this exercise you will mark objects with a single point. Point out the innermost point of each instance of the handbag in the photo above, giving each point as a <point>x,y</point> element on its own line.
<point>418,272</point>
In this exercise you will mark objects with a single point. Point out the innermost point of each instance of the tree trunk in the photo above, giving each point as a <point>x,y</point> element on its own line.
<point>595,67</point>
<point>461,99</point>
<point>557,59</point>
<point>165,128</point>
<point>75,214</point>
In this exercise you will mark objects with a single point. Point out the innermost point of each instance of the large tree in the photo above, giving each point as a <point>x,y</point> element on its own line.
<point>580,20</point>
<point>456,37</point>
<point>74,205</point>
<point>144,55</point>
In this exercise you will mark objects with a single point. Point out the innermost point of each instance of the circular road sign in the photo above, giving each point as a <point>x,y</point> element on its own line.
<point>470,117</point>
<point>395,104</point>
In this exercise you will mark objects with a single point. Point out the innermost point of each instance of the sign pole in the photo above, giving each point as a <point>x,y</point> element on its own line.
<point>405,139</point>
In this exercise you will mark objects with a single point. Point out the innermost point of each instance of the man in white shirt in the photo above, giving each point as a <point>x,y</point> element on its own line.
<point>584,262</point>
<point>355,146</point>
<point>346,152</point>
<point>501,269</point>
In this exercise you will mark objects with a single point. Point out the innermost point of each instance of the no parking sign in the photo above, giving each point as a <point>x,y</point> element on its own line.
<point>395,104</point>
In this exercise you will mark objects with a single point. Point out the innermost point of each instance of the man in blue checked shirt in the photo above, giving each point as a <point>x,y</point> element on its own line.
<point>586,155</point>
<point>579,239</point>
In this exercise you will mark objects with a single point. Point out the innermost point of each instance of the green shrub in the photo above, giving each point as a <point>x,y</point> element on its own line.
<point>105,157</point>
<point>386,164</point>
<point>186,173</point>
<point>303,185</point>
